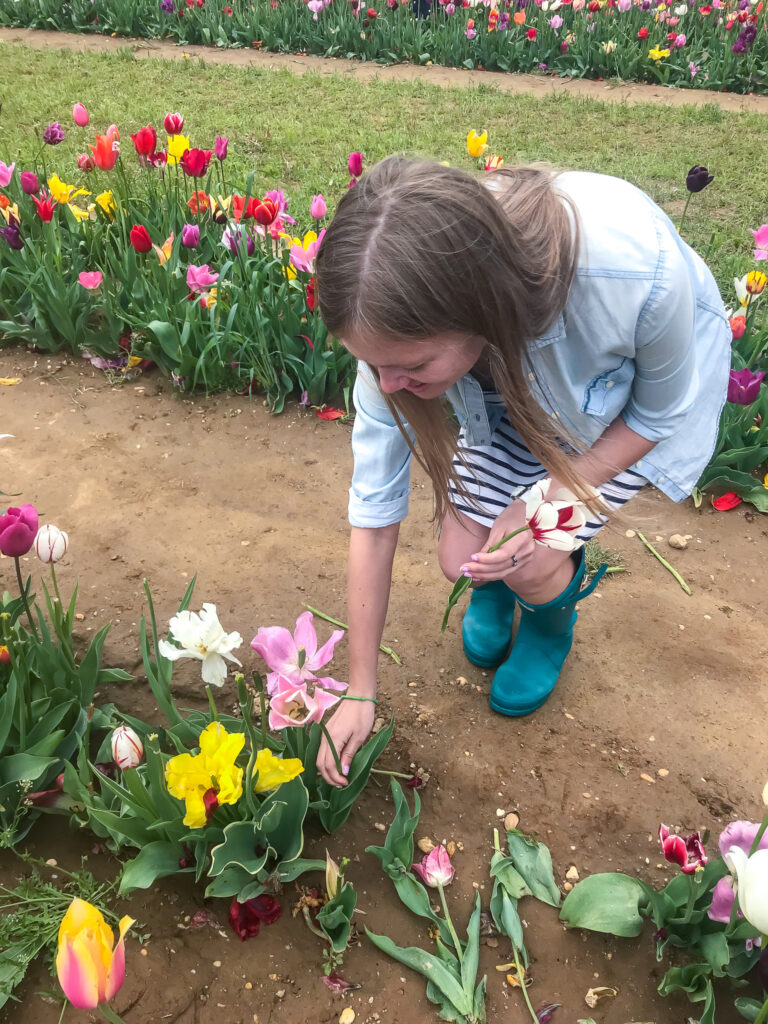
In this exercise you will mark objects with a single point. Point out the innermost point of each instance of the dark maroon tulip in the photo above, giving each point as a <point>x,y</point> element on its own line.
<point>744,386</point>
<point>12,235</point>
<point>18,529</point>
<point>29,182</point>
<point>246,918</point>
<point>698,178</point>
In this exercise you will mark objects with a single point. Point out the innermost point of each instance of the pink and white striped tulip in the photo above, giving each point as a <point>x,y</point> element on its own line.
<point>435,869</point>
<point>127,748</point>
<point>51,544</point>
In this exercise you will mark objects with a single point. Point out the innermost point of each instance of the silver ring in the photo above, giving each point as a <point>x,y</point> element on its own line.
<point>514,561</point>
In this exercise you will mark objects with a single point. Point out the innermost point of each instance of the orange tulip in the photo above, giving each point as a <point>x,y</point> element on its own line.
<point>106,151</point>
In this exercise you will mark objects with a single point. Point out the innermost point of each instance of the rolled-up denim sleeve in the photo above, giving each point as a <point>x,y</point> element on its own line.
<point>381,475</point>
<point>666,380</point>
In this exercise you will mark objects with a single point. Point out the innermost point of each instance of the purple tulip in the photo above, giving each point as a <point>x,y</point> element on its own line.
<point>744,386</point>
<point>54,134</point>
<point>722,901</point>
<point>741,834</point>
<point>190,236</point>
<point>698,178</point>
<point>29,183</point>
<point>18,529</point>
<point>234,236</point>
<point>220,147</point>
<point>12,235</point>
<point>167,6</point>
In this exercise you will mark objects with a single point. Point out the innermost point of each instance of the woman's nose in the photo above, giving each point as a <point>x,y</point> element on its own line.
<point>391,381</point>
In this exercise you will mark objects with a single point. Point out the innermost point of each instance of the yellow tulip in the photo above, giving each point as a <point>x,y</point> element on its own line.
<point>756,282</point>
<point>209,778</point>
<point>79,213</point>
<point>477,144</point>
<point>64,193</point>
<point>274,771</point>
<point>177,147</point>
<point>657,54</point>
<point>107,202</point>
<point>90,971</point>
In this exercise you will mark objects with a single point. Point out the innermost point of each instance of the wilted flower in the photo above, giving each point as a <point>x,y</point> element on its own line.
<point>247,917</point>
<point>18,529</point>
<point>54,134</point>
<point>80,115</point>
<point>698,178</point>
<point>744,386</point>
<point>435,869</point>
<point>85,163</point>
<point>127,748</point>
<point>200,635</point>
<point>51,543</point>
<point>688,853</point>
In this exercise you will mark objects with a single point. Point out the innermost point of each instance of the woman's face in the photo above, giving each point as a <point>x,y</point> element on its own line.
<point>426,368</point>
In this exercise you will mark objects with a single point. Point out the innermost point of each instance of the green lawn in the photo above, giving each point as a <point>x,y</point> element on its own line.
<point>296,132</point>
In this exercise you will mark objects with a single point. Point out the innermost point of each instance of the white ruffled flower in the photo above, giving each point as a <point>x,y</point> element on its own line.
<point>202,637</point>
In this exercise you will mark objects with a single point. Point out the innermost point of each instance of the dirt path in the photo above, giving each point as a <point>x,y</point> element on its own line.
<point>150,484</point>
<point>613,91</point>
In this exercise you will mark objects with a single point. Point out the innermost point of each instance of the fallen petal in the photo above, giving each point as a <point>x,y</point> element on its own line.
<point>545,1014</point>
<point>726,502</point>
<point>330,414</point>
<point>594,995</point>
<point>336,983</point>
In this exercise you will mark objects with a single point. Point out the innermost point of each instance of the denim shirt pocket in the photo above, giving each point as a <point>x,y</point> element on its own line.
<point>607,393</point>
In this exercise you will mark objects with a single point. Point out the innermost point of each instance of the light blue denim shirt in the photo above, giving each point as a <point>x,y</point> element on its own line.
<point>644,336</point>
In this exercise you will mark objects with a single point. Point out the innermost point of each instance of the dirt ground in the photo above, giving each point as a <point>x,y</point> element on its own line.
<point>149,483</point>
<point>613,90</point>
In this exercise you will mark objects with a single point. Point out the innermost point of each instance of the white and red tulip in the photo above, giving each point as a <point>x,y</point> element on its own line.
<point>435,869</point>
<point>555,519</point>
<point>688,853</point>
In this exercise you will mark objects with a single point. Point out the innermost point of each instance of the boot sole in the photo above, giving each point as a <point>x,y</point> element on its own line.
<point>481,662</point>
<point>518,712</point>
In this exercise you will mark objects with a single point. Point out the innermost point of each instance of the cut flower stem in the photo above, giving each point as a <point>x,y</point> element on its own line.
<point>342,625</point>
<point>665,563</point>
<point>449,922</point>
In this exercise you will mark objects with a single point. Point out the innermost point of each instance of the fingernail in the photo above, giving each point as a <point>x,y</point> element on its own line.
<point>345,769</point>
<point>475,558</point>
<point>469,575</point>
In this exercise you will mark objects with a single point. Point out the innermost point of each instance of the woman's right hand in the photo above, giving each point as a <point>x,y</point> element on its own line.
<point>349,728</point>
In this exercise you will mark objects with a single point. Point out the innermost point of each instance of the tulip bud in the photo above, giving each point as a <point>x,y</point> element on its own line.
<point>29,183</point>
<point>355,164</point>
<point>80,115</point>
<point>220,147</point>
<point>51,544</point>
<point>127,748</point>
<point>190,236</point>
<point>318,209</point>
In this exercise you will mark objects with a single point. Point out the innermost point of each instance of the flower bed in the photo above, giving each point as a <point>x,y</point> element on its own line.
<point>718,45</point>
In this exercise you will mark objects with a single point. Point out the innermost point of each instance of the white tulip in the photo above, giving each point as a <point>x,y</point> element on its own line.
<point>51,543</point>
<point>202,637</point>
<point>127,748</point>
<point>752,877</point>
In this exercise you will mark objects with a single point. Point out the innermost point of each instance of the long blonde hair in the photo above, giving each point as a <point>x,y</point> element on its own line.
<point>417,249</point>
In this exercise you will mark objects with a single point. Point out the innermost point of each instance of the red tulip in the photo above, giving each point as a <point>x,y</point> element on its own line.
<point>726,502</point>
<point>195,162</point>
<point>643,33</point>
<point>140,238</point>
<point>106,150</point>
<point>246,918</point>
<point>686,852</point>
<point>174,124</point>
<point>45,206</point>
<point>145,141</point>
<point>311,298</point>
<point>738,323</point>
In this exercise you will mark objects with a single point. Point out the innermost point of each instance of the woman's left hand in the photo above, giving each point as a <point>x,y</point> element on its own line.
<point>517,552</point>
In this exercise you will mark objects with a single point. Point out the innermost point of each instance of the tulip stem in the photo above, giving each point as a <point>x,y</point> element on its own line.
<point>343,625</point>
<point>463,583</point>
<point>762,1017</point>
<point>449,922</point>
<point>666,564</point>
<point>332,745</point>
<point>23,593</point>
<point>759,835</point>
<point>523,986</point>
<point>110,1014</point>
<point>685,210</point>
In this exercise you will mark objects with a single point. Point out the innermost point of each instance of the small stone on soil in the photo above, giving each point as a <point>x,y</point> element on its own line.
<point>347,1015</point>
<point>500,812</point>
<point>646,778</point>
<point>380,827</point>
<point>677,540</point>
<point>572,874</point>
<point>425,845</point>
<point>663,772</point>
<point>511,821</point>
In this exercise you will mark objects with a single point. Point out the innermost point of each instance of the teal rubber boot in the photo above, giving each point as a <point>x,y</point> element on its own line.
<point>544,638</point>
<point>487,625</point>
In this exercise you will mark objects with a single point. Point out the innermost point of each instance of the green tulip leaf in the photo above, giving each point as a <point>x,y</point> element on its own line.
<point>156,860</point>
<point>607,903</point>
<point>533,863</point>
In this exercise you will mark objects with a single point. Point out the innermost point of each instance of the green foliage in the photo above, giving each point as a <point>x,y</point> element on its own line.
<point>608,903</point>
<point>45,694</point>
<point>394,35</point>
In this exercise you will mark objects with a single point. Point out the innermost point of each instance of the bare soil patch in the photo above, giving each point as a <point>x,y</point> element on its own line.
<point>148,483</point>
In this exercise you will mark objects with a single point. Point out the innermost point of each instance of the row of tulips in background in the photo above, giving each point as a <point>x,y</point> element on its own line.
<point>154,255</point>
<point>222,796</point>
<point>720,44</point>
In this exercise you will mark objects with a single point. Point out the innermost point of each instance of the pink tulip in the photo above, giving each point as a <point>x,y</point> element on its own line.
<point>85,163</point>
<point>291,705</point>
<point>29,183</point>
<point>18,529</point>
<point>761,241</point>
<point>318,209</point>
<point>90,971</point>
<point>304,259</point>
<point>6,173</point>
<point>200,278</point>
<point>80,115</point>
<point>355,164</point>
<point>296,657</point>
<point>90,279</point>
<point>435,869</point>
<point>220,147</point>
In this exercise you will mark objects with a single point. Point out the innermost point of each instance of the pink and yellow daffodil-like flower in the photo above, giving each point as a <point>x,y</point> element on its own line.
<point>303,252</point>
<point>291,704</point>
<point>177,147</point>
<point>90,971</point>
<point>274,771</point>
<point>295,656</point>
<point>212,777</point>
<point>477,144</point>
<point>63,193</point>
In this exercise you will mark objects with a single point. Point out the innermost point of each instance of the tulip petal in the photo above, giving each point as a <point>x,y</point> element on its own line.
<point>116,975</point>
<point>305,636</point>
<point>78,977</point>
<point>324,655</point>
<point>276,646</point>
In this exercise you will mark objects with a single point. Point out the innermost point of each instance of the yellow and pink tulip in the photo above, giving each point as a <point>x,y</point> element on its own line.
<point>91,971</point>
